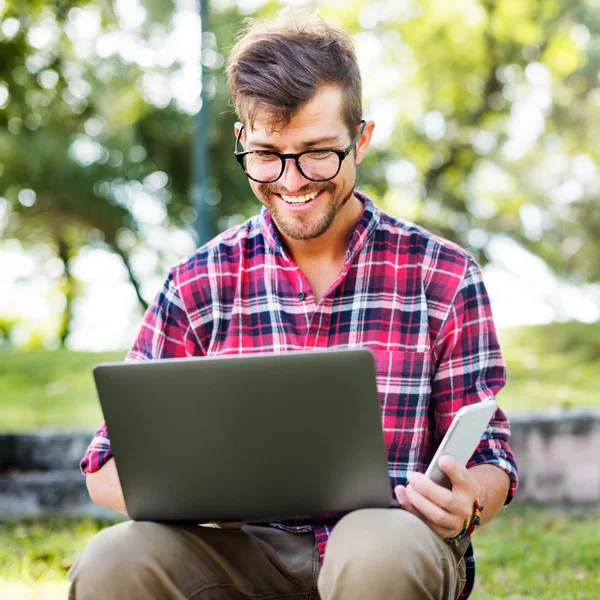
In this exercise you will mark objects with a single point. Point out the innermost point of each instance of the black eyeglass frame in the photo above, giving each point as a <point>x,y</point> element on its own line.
<point>341,154</point>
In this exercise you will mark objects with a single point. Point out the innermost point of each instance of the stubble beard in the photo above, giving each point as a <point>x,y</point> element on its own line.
<point>304,229</point>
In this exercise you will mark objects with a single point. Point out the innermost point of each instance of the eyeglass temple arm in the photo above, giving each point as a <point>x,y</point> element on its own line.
<point>355,141</point>
<point>237,140</point>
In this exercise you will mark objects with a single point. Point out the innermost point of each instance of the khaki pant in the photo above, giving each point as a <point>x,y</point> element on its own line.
<point>372,554</point>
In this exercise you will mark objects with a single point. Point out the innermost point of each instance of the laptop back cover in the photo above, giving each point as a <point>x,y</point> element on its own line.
<point>248,437</point>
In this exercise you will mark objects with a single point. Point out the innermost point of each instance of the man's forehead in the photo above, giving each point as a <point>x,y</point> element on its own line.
<point>321,116</point>
<point>296,131</point>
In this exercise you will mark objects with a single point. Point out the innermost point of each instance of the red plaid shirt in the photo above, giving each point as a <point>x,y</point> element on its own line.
<point>416,300</point>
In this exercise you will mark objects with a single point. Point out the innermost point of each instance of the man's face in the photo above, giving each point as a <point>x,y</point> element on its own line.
<point>319,124</point>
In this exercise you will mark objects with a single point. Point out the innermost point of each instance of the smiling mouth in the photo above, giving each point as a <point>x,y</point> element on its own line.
<point>299,199</point>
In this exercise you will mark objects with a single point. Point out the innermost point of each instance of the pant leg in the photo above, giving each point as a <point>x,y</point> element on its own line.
<point>382,554</point>
<point>140,560</point>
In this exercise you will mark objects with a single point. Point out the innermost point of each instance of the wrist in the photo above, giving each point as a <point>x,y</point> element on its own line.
<point>471,523</point>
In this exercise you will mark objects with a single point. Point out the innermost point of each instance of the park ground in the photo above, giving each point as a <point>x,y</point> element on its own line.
<point>527,552</point>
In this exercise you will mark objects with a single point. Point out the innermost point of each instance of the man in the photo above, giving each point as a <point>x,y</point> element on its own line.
<point>320,267</point>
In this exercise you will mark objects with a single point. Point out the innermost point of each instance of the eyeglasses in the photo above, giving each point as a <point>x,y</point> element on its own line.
<point>321,164</point>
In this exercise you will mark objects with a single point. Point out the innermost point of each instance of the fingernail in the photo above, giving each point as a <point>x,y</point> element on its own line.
<point>445,460</point>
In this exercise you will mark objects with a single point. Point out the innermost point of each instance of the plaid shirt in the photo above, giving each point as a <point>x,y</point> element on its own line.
<point>416,300</point>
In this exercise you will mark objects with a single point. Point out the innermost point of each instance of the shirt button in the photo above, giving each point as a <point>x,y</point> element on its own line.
<point>301,296</point>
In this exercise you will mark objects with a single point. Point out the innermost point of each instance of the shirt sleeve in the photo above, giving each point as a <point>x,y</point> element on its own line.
<point>166,332</point>
<point>470,369</point>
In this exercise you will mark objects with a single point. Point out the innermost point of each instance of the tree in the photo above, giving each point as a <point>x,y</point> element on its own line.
<point>89,144</point>
<point>487,122</point>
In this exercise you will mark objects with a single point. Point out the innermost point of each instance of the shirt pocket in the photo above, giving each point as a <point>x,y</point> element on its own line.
<point>404,386</point>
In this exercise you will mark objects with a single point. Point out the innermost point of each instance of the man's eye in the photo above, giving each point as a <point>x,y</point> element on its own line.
<point>264,157</point>
<point>320,155</point>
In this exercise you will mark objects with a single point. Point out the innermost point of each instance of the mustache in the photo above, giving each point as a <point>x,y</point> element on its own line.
<point>269,188</point>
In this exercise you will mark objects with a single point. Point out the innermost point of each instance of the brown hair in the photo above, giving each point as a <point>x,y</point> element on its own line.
<point>278,66</point>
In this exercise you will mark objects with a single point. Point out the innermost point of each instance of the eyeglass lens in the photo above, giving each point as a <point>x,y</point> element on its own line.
<point>268,167</point>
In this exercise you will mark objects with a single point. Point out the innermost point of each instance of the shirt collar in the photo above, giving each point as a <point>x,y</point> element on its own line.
<point>366,224</point>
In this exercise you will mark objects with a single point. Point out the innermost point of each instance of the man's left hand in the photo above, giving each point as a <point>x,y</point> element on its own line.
<point>445,511</point>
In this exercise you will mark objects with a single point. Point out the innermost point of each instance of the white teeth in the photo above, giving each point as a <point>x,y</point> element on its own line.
<point>299,199</point>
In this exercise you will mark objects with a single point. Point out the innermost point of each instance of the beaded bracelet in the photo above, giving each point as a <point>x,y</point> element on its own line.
<point>471,524</point>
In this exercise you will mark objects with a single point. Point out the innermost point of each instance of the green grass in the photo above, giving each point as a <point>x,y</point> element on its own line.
<point>525,553</point>
<point>529,552</point>
<point>35,556</point>
<point>43,389</point>
<point>549,366</point>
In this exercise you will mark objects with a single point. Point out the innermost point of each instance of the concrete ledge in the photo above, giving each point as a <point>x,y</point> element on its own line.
<point>557,454</point>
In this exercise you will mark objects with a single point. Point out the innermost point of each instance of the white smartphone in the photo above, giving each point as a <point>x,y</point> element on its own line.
<point>462,438</point>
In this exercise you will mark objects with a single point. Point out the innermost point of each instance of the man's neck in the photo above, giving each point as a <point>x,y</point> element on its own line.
<point>330,247</point>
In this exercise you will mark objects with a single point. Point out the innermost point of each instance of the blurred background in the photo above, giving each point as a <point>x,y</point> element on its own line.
<point>116,161</point>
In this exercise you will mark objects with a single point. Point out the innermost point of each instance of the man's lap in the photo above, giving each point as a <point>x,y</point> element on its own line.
<point>255,561</point>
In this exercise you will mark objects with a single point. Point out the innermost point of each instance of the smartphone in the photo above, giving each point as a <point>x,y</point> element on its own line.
<point>462,438</point>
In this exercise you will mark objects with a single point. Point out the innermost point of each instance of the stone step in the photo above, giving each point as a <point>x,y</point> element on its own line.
<point>43,451</point>
<point>36,494</point>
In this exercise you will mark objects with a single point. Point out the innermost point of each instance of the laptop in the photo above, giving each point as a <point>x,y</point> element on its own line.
<point>246,438</point>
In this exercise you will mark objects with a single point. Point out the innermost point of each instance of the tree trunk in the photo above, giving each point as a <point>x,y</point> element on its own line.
<point>67,316</point>
<point>132,278</point>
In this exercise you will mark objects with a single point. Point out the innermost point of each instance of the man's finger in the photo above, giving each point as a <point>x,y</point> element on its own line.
<point>223,524</point>
<point>436,493</point>
<point>458,474</point>
<point>405,502</point>
<point>432,513</point>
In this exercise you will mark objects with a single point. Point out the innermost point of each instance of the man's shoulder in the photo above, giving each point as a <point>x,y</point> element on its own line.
<point>430,251</point>
<point>227,248</point>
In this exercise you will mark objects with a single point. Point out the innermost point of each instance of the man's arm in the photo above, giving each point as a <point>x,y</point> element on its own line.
<point>104,487</point>
<point>469,369</point>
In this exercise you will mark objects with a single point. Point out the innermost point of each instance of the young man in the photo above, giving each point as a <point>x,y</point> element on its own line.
<point>320,267</point>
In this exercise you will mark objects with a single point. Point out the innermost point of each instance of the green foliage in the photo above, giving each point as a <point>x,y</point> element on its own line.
<point>489,115</point>
<point>551,366</point>
<point>525,553</point>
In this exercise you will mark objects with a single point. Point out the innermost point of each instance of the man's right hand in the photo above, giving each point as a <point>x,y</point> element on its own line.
<point>104,487</point>
<point>224,524</point>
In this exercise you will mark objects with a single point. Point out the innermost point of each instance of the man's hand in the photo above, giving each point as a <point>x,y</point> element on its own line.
<point>445,511</point>
<point>224,525</point>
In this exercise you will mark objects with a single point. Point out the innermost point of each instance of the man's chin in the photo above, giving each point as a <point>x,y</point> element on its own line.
<point>302,231</point>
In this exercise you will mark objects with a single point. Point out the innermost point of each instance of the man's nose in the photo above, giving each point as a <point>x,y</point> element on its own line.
<point>291,178</point>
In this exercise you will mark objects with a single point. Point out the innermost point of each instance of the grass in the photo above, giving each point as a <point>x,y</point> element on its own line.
<point>549,366</point>
<point>524,554</point>
<point>35,556</point>
<point>529,552</point>
<point>43,389</point>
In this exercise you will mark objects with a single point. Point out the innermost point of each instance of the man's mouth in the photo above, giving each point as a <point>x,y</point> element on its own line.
<point>299,199</point>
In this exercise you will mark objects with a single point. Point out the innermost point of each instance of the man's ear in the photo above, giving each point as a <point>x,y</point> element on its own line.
<point>236,129</point>
<point>364,141</point>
